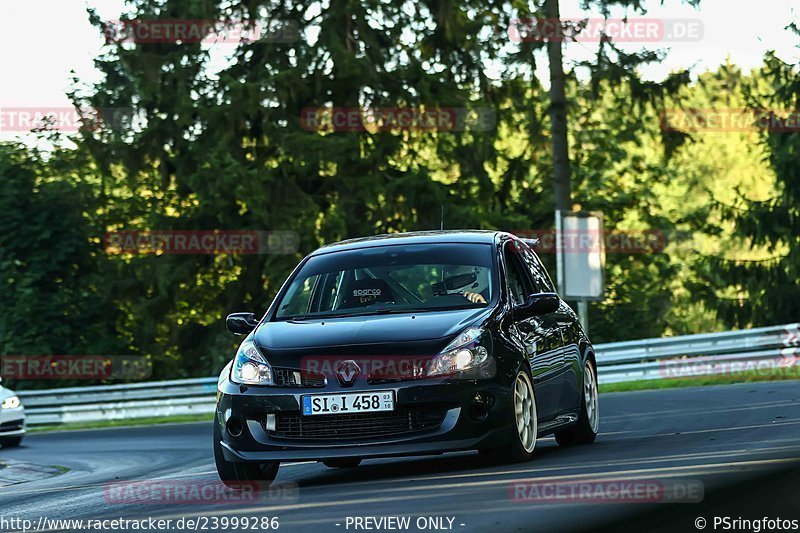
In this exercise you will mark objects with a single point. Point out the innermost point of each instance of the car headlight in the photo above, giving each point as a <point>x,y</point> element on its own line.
<point>463,353</point>
<point>10,403</point>
<point>250,367</point>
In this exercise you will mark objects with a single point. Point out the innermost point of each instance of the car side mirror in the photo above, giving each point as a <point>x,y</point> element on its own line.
<point>538,304</point>
<point>241,323</point>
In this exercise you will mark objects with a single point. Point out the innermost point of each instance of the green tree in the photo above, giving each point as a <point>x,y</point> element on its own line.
<point>55,295</point>
<point>763,290</point>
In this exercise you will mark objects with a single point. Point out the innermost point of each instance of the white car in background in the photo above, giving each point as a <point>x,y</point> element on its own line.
<point>12,419</point>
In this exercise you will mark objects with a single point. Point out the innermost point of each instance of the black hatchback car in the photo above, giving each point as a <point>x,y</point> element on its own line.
<point>406,344</point>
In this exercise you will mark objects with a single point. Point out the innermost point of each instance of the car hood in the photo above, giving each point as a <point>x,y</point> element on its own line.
<point>402,333</point>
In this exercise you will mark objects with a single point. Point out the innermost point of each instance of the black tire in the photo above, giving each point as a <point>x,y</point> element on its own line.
<point>10,442</point>
<point>234,475</point>
<point>584,431</point>
<point>342,463</point>
<point>494,456</point>
<point>516,451</point>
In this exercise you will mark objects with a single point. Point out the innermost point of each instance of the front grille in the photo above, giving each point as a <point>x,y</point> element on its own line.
<point>287,377</point>
<point>14,425</point>
<point>357,425</point>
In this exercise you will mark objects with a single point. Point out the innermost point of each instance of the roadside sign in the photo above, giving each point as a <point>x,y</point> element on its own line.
<point>581,256</point>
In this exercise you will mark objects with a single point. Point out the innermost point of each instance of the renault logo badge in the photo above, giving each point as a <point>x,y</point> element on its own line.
<point>347,372</point>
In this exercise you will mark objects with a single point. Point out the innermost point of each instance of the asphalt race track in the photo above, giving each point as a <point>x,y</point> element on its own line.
<point>718,436</point>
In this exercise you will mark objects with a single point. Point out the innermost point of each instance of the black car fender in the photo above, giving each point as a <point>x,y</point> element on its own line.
<point>587,354</point>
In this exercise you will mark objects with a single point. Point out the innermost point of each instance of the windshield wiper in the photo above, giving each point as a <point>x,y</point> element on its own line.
<point>300,318</point>
<point>395,310</point>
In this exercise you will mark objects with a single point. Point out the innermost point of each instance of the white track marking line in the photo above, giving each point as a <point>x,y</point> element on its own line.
<point>663,414</point>
<point>718,468</point>
<point>699,431</point>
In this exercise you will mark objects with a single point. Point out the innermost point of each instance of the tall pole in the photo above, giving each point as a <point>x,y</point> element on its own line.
<point>558,110</point>
<point>583,314</point>
<point>558,130</point>
<point>560,253</point>
<point>562,173</point>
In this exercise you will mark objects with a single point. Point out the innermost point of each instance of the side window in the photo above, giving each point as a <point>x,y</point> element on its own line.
<point>519,284</point>
<point>317,293</point>
<point>299,301</point>
<point>536,268</point>
<point>329,291</point>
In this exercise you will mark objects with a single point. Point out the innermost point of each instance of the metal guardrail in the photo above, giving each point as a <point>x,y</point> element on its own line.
<point>761,349</point>
<point>767,349</point>
<point>120,402</point>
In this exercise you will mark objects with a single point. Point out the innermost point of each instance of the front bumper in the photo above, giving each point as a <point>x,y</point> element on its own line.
<point>12,422</point>
<point>475,415</point>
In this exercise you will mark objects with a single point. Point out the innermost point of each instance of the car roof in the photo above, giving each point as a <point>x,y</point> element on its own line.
<point>414,237</point>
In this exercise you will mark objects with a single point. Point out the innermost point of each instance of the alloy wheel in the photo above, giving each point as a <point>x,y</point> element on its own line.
<point>590,396</point>
<point>525,412</point>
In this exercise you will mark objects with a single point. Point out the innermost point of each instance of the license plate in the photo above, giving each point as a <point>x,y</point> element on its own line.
<point>335,404</point>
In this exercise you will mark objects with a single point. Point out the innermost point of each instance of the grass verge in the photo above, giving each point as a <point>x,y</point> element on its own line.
<point>150,421</point>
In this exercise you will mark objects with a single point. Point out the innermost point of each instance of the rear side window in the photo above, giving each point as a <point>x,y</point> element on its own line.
<point>519,284</point>
<point>536,269</point>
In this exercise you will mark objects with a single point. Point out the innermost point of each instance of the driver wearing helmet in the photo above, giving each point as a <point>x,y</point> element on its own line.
<point>476,289</point>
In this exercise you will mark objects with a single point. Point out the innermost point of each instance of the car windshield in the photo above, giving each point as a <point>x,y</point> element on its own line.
<point>391,279</point>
